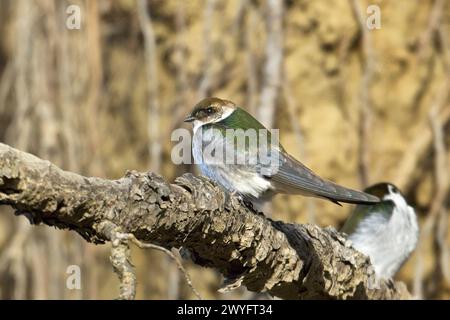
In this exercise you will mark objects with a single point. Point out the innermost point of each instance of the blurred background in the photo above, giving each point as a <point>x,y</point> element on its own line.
<point>358,106</point>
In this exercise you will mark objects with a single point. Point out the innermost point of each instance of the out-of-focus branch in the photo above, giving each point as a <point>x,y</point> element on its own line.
<point>421,145</point>
<point>291,109</point>
<point>153,113</point>
<point>182,85</point>
<point>6,83</point>
<point>205,83</point>
<point>273,64</point>
<point>418,149</point>
<point>441,167</point>
<point>425,53</point>
<point>250,57</point>
<point>433,27</point>
<point>286,260</point>
<point>365,110</point>
<point>95,63</point>
<point>436,208</point>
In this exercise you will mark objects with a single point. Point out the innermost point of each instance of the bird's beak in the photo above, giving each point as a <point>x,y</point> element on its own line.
<point>189,118</point>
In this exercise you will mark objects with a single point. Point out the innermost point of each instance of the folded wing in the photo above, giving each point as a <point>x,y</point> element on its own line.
<point>292,177</point>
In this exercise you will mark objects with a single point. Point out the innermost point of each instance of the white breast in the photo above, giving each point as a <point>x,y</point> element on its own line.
<point>388,243</point>
<point>234,178</point>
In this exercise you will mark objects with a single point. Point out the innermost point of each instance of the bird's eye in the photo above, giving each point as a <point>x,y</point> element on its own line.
<point>393,189</point>
<point>209,110</point>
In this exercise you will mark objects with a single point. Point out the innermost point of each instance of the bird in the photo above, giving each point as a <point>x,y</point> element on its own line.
<point>387,232</point>
<point>254,180</point>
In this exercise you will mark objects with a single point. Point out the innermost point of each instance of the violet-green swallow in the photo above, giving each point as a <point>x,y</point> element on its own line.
<point>386,232</point>
<point>263,173</point>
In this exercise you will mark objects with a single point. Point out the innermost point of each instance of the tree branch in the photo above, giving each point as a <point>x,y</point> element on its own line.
<point>120,259</point>
<point>286,260</point>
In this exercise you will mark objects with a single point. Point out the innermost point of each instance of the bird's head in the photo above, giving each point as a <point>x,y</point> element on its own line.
<point>384,190</point>
<point>210,110</point>
<point>388,192</point>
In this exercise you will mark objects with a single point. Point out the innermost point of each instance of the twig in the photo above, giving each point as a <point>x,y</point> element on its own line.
<point>142,245</point>
<point>120,259</point>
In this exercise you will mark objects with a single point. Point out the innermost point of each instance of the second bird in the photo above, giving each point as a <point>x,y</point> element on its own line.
<point>255,180</point>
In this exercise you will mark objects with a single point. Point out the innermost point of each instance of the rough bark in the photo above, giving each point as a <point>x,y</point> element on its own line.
<point>287,260</point>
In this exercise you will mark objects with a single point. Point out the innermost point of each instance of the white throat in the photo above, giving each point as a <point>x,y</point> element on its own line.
<point>396,198</point>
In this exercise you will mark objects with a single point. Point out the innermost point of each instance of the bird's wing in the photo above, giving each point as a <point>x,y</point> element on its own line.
<point>285,173</point>
<point>384,208</point>
<point>291,176</point>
